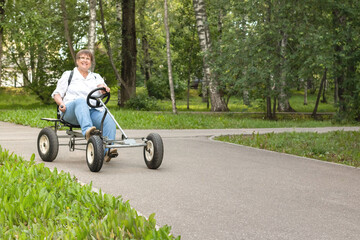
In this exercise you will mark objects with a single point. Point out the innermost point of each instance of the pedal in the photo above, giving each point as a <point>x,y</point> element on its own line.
<point>113,155</point>
<point>96,132</point>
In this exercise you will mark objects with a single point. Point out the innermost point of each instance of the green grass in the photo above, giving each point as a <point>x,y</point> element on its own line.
<point>36,203</point>
<point>297,103</point>
<point>15,98</point>
<point>339,146</point>
<point>130,119</point>
<point>236,104</point>
<point>21,107</point>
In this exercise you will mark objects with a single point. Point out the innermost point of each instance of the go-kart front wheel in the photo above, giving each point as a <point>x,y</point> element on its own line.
<point>47,144</point>
<point>95,153</point>
<point>153,151</point>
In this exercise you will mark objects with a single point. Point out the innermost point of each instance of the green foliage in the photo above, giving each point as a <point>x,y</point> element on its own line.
<point>158,88</point>
<point>247,57</point>
<point>35,41</point>
<point>142,102</point>
<point>37,203</point>
<point>339,146</point>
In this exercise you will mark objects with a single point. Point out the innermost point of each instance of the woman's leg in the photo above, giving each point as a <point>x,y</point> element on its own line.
<point>77,113</point>
<point>109,124</point>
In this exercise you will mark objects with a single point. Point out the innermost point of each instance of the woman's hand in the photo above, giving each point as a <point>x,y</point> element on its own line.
<point>106,87</point>
<point>62,107</point>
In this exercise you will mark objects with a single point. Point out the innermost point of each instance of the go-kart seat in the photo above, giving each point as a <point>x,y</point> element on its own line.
<point>62,121</point>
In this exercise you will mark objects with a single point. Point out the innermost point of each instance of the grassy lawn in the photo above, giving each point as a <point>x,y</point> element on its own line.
<point>20,107</point>
<point>237,105</point>
<point>338,146</point>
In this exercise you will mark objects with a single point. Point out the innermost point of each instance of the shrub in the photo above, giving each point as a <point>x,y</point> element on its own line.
<point>142,102</point>
<point>37,203</point>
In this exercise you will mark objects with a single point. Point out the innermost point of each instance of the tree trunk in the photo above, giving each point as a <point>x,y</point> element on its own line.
<point>2,13</point>
<point>190,67</point>
<point>121,82</point>
<point>339,22</point>
<point>269,114</point>
<point>92,30</point>
<point>282,95</point>
<point>268,108</point>
<point>146,60</point>
<point>336,91</point>
<point>284,105</point>
<point>246,97</point>
<point>217,102</point>
<point>319,94</point>
<point>66,29</point>
<point>128,54</point>
<point>305,92</point>
<point>324,100</point>
<point>274,109</point>
<point>168,52</point>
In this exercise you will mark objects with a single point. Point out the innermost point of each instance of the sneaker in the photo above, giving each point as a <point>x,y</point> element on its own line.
<point>89,132</point>
<point>112,153</point>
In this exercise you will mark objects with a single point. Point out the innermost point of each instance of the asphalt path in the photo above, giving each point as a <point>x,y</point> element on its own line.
<point>212,190</point>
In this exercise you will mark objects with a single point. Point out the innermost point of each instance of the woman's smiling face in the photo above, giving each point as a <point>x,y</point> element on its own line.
<point>83,62</point>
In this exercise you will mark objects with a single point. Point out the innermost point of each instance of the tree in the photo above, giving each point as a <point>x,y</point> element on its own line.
<point>92,30</point>
<point>121,82</point>
<point>129,51</point>
<point>171,83</point>
<point>217,102</point>
<point>2,13</point>
<point>322,84</point>
<point>345,26</point>
<point>66,29</point>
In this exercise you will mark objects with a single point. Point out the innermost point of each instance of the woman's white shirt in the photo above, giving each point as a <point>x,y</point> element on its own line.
<point>79,86</point>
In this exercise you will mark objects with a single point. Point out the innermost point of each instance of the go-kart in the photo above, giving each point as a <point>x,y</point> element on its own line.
<point>48,142</point>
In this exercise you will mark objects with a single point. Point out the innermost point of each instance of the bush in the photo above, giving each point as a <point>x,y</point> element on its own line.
<point>37,203</point>
<point>158,89</point>
<point>142,102</point>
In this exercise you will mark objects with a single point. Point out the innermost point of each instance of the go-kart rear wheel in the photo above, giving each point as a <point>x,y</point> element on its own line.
<point>153,151</point>
<point>47,144</point>
<point>95,153</point>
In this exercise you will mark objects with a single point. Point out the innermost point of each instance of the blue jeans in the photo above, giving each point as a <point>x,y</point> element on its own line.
<point>78,113</point>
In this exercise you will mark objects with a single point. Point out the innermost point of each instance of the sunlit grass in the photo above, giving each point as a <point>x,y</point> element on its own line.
<point>12,98</point>
<point>236,104</point>
<point>21,107</point>
<point>297,102</point>
<point>339,146</point>
<point>130,119</point>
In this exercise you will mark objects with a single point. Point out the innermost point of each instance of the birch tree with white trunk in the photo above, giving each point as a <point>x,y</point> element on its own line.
<point>168,53</point>
<point>217,102</point>
<point>92,30</point>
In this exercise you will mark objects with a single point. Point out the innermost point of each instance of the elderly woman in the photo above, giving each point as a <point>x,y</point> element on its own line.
<point>71,100</point>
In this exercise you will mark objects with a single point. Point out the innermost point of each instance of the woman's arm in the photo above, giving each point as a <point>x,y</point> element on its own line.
<point>59,101</point>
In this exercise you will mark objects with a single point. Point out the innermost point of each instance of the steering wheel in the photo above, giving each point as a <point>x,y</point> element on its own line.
<point>105,96</point>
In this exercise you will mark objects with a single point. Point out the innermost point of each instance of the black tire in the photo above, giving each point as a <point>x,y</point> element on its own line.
<point>95,153</point>
<point>153,151</point>
<point>47,144</point>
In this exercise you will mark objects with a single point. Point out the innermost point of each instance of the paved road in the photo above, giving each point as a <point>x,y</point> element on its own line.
<point>211,190</point>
